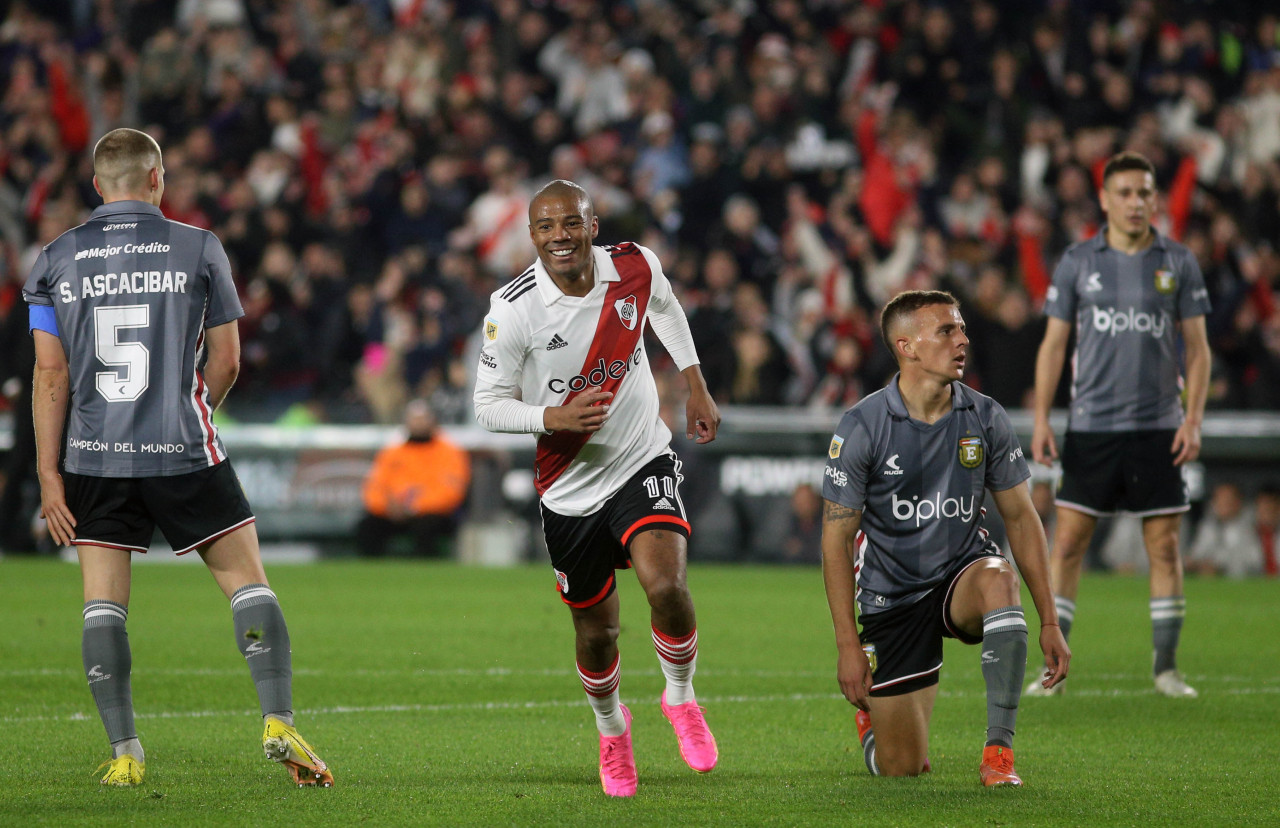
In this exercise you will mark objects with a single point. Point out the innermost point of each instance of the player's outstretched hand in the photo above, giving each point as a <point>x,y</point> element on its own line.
<point>853,671</point>
<point>54,509</point>
<point>1043,448</point>
<point>583,414</point>
<point>1186,443</point>
<point>1057,655</point>
<point>702,416</point>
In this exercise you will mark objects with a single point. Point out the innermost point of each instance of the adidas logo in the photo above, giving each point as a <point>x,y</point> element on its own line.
<point>557,341</point>
<point>664,504</point>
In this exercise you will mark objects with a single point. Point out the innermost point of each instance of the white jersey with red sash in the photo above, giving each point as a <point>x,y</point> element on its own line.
<point>544,348</point>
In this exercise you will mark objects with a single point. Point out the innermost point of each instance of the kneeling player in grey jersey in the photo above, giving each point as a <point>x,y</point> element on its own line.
<point>134,320</point>
<point>902,541</point>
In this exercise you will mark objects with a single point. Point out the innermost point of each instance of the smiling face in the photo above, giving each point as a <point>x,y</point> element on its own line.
<point>933,342</point>
<point>1129,199</point>
<point>562,226</point>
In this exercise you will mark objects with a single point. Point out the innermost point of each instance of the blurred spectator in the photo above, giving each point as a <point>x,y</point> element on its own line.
<point>19,491</point>
<point>1122,549</point>
<point>1266,510</point>
<point>662,163</point>
<point>1005,344</point>
<point>803,544</point>
<point>1226,541</point>
<point>415,488</point>
<point>844,380</point>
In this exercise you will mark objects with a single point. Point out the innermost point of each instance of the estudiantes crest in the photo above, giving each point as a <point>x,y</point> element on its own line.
<point>970,452</point>
<point>626,309</point>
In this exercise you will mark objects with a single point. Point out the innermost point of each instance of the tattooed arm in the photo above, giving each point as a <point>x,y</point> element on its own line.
<point>51,389</point>
<point>839,529</point>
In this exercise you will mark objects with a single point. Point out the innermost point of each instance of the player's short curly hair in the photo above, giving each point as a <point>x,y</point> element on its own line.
<point>907,303</point>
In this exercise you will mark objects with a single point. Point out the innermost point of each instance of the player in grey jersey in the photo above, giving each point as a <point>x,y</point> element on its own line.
<point>1129,293</point>
<point>902,538</point>
<point>134,321</point>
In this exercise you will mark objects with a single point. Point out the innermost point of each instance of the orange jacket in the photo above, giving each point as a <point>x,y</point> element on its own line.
<point>425,478</point>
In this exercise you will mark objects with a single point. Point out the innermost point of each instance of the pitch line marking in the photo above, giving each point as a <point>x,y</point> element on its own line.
<point>455,707</point>
<point>513,672</point>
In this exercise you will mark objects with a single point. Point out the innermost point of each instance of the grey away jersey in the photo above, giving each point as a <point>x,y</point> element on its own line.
<point>133,293</point>
<point>1126,367</point>
<point>920,488</point>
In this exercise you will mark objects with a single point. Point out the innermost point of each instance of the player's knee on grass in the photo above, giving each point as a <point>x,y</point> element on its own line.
<point>904,762</point>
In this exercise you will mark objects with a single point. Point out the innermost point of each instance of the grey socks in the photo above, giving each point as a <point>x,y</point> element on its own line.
<point>107,662</point>
<point>869,752</point>
<point>1066,614</point>
<point>1004,664</point>
<point>263,640</point>
<point>1166,628</point>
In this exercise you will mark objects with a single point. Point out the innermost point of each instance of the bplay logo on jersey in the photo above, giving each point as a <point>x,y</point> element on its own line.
<point>1115,322</point>
<point>933,508</point>
<point>627,311</point>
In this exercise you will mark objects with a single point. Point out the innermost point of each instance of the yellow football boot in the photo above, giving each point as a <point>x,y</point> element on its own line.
<point>283,744</point>
<point>123,771</point>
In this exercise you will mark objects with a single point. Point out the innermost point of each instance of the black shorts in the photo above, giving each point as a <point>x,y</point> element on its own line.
<point>190,509</point>
<point>904,645</point>
<point>1124,471</point>
<point>586,550</point>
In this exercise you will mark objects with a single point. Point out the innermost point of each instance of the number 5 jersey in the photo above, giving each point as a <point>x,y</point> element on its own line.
<point>130,293</point>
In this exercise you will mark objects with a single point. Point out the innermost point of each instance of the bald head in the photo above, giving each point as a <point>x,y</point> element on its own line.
<point>127,164</point>
<point>567,190</point>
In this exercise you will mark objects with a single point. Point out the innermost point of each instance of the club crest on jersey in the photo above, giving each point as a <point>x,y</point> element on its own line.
<point>626,309</point>
<point>970,452</point>
<point>834,451</point>
<point>490,328</point>
<point>1165,283</point>
<point>562,581</point>
<point>870,650</point>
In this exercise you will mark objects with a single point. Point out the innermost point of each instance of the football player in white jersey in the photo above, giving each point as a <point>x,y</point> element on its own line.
<point>563,358</point>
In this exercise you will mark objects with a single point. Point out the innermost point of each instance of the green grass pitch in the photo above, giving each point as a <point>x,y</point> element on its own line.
<point>444,695</point>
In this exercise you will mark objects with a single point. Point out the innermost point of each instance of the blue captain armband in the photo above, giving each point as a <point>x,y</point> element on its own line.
<point>42,318</point>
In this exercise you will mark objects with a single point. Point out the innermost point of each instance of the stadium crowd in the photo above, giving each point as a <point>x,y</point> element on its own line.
<point>368,165</point>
